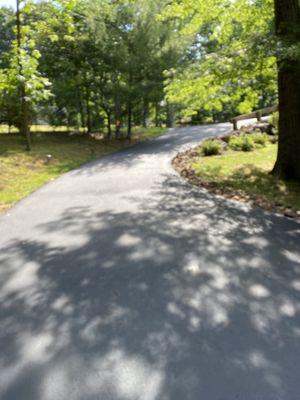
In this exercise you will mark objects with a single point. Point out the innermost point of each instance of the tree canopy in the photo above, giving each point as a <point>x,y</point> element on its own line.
<point>231,63</point>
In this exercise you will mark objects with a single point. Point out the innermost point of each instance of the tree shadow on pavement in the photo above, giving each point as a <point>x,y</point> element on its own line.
<point>189,297</point>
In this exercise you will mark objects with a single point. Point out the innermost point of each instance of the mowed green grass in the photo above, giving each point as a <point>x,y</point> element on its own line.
<point>39,128</point>
<point>249,172</point>
<point>22,172</point>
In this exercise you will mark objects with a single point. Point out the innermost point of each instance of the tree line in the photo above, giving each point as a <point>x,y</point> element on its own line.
<point>85,64</point>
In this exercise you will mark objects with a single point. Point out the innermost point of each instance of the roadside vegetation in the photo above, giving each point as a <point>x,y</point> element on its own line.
<point>239,166</point>
<point>52,154</point>
<point>249,172</point>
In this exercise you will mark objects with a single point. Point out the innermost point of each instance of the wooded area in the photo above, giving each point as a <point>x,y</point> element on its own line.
<point>106,64</point>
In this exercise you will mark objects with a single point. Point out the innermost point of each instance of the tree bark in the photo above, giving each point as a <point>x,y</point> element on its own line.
<point>170,115</point>
<point>146,113</point>
<point>156,115</point>
<point>117,115</point>
<point>88,110</point>
<point>287,23</point>
<point>108,125</point>
<point>24,114</point>
<point>129,120</point>
<point>81,110</point>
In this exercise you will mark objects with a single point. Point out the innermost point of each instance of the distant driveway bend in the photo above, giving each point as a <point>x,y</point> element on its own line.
<point>120,281</point>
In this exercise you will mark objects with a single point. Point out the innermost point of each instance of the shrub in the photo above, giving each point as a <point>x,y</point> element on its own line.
<point>241,143</point>
<point>211,148</point>
<point>207,120</point>
<point>275,120</point>
<point>260,139</point>
<point>273,139</point>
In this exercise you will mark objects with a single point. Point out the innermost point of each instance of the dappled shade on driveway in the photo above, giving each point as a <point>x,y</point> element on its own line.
<point>120,281</point>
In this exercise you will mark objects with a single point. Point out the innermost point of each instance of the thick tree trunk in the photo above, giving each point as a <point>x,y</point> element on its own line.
<point>287,19</point>
<point>170,115</point>
<point>25,130</point>
<point>24,112</point>
<point>158,115</point>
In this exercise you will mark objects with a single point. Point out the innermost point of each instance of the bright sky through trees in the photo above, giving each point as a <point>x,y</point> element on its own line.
<point>7,3</point>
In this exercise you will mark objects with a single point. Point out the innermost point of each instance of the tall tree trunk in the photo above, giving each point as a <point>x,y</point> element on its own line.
<point>157,124</point>
<point>117,115</point>
<point>129,120</point>
<point>118,129</point>
<point>170,115</point>
<point>81,110</point>
<point>24,122</point>
<point>129,107</point>
<point>108,125</point>
<point>146,113</point>
<point>88,110</point>
<point>287,21</point>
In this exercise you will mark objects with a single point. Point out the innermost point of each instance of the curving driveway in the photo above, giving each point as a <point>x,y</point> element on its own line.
<point>119,281</point>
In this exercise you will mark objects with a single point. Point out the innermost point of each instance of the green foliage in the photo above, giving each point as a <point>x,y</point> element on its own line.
<point>211,148</point>
<point>105,61</point>
<point>7,35</point>
<point>230,66</point>
<point>275,120</point>
<point>260,139</point>
<point>93,63</point>
<point>20,75</point>
<point>243,142</point>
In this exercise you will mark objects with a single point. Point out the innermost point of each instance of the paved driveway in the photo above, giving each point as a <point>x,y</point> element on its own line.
<point>119,281</point>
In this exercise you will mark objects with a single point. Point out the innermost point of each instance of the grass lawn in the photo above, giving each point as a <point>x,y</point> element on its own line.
<point>39,128</point>
<point>22,172</point>
<point>249,173</point>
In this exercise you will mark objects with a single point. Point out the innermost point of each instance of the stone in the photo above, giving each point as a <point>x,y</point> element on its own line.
<point>288,212</point>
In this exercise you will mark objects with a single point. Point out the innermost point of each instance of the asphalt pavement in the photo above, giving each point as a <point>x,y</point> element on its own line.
<point>121,281</point>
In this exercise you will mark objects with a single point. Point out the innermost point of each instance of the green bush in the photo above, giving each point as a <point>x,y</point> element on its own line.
<point>275,120</point>
<point>241,143</point>
<point>260,139</point>
<point>211,148</point>
<point>273,139</point>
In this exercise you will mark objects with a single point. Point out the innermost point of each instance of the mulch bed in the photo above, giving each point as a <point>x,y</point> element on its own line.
<point>182,163</point>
